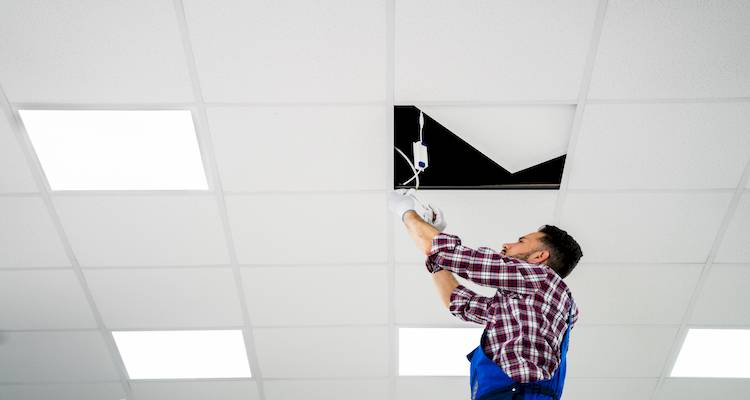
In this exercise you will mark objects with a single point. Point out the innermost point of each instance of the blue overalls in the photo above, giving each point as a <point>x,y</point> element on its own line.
<point>489,381</point>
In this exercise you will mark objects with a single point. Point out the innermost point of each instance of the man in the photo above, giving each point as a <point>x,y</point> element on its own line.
<point>522,351</point>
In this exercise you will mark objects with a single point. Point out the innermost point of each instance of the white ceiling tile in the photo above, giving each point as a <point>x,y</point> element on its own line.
<point>491,51</point>
<point>165,298</point>
<point>608,388</point>
<point>673,49</point>
<point>535,133</point>
<point>434,388</point>
<point>703,388</point>
<point>55,357</point>
<point>618,351</point>
<point>481,217</point>
<point>312,295</point>
<point>323,352</point>
<point>370,389</point>
<point>644,227</point>
<point>661,146</point>
<point>196,390</point>
<point>633,294</point>
<point>724,297</point>
<point>289,51</point>
<point>116,149</point>
<point>418,301</point>
<point>46,299</point>
<point>735,244</point>
<point>69,391</point>
<point>143,230</point>
<point>301,148</point>
<point>27,235</point>
<point>92,51</point>
<point>15,175</point>
<point>309,228</point>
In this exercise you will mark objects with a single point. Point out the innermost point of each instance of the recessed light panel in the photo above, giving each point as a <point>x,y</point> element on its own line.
<point>714,353</point>
<point>436,351</point>
<point>183,354</point>
<point>116,149</point>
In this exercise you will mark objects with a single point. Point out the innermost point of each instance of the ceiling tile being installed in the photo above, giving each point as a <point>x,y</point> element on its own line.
<point>148,230</point>
<point>289,51</point>
<point>92,52</point>
<point>490,51</point>
<point>516,138</point>
<point>661,146</point>
<point>300,148</point>
<point>673,49</point>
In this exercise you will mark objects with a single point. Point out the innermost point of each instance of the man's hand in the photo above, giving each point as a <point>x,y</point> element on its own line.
<point>438,219</point>
<point>400,201</point>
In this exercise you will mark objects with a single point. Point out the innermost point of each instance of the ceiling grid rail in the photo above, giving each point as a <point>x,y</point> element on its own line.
<point>34,165</point>
<point>583,94</point>
<point>200,118</point>
<point>390,102</point>
<point>705,271</point>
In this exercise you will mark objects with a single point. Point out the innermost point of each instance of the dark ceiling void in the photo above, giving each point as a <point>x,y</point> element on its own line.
<point>455,164</point>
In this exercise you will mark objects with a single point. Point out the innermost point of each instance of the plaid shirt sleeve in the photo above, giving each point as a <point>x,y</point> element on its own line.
<point>469,306</point>
<point>483,266</point>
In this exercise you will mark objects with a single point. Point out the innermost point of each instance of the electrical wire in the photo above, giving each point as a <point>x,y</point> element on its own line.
<point>411,165</point>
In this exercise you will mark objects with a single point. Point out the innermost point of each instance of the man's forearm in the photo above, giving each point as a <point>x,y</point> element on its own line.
<point>445,283</point>
<point>420,231</point>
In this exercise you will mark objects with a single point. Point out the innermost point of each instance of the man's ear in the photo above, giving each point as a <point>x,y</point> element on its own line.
<point>543,255</point>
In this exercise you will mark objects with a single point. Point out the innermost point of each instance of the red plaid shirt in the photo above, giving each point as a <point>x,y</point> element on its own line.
<point>526,319</point>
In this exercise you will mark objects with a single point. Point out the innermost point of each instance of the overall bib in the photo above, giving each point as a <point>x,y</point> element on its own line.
<point>489,381</point>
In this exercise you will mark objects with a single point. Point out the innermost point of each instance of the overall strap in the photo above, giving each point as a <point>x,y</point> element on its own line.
<point>567,330</point>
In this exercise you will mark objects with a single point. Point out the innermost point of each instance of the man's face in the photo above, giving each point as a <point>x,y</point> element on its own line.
<point>527,248</point>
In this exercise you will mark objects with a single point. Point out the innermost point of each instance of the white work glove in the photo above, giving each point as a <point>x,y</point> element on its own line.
<point>400,201</point>
<point>432,215</point>
<point>438,220</point>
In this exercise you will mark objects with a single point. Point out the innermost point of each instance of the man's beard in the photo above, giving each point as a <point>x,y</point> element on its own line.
<point>522,256</point>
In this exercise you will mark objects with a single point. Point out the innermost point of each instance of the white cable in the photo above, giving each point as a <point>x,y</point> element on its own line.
<point>421,125</point>
<point>412,178</point>
<point>408,161</point>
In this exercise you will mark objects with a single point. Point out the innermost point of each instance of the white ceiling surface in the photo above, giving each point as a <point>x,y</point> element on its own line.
<point>293,115</point>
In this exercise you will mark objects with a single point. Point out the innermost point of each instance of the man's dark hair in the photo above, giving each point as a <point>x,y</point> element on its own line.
<point>564,251</point>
